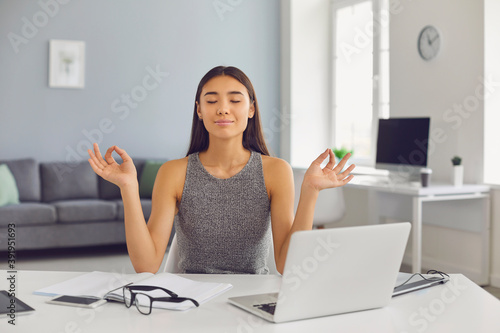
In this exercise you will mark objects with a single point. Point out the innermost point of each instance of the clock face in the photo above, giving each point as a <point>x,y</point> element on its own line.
<point>429,42</point>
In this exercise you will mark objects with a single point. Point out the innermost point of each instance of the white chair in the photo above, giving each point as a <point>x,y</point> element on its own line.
<point>172,262</point>
<point>330,206</point>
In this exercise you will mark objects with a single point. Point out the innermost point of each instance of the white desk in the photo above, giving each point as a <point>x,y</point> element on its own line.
<point>420,195</point>
<point>458,306</point>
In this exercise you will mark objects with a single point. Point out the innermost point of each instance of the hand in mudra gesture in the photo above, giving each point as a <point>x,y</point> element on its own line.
<point>118,174</point>
<point>329,176</point>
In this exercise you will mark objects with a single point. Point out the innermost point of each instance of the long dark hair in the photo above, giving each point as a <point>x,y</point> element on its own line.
<point>253,139</point>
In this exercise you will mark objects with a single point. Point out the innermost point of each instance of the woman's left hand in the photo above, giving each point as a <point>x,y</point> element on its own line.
<point>331,175</point>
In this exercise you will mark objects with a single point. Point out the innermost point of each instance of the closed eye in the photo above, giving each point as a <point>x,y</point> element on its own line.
<point>235,101</point>
<point>211,102</point>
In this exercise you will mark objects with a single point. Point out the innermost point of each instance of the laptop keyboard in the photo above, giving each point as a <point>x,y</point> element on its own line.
<point>268,307</point>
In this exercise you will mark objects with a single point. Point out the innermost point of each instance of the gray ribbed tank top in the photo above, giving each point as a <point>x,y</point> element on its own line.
<point>223,225</point>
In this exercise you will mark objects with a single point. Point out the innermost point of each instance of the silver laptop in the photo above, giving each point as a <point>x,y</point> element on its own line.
<point>333,271</point>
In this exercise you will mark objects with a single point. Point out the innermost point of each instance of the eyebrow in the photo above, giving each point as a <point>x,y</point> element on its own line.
<point>229,93</point>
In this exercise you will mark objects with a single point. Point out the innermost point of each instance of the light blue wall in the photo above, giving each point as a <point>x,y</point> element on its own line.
<point>123,40</point>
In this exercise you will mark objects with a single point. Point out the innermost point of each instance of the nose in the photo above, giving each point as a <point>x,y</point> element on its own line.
<point>224,109</point>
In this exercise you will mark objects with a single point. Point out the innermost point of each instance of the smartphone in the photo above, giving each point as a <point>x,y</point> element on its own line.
<point>80,301</point>
<point>10,305</point>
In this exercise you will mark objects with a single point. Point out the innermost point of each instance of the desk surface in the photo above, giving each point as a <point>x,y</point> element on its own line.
<point>383,184</point>
<point>458,306</point>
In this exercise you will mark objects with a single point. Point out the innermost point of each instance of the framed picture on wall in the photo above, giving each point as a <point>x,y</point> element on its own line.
<point>66,64</point>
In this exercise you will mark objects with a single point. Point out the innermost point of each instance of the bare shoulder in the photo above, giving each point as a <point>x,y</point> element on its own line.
<point>171,177</point>
<point>174,167</point>
<point>275,165</point>
<point>278,174</point>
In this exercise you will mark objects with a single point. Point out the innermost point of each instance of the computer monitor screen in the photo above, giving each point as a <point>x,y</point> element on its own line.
<point>402,144</point>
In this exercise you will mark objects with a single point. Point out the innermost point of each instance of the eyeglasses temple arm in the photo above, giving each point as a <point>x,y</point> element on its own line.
<point>109,292</point>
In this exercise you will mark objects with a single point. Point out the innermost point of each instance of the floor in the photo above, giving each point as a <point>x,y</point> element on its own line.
<point>108,259</point>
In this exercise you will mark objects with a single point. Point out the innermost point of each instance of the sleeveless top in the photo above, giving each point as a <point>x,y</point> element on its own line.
<point>224,225</point>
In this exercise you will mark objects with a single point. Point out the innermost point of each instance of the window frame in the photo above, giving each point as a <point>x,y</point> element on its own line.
<point>377,111</point>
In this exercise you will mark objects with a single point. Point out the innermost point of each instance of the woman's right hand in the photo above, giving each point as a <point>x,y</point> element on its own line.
<point>119,174</point>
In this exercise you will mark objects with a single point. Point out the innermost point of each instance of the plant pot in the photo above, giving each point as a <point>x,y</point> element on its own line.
<point>458,175</point>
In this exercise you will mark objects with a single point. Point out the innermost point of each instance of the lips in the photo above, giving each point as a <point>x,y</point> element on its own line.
<point>223,122</point>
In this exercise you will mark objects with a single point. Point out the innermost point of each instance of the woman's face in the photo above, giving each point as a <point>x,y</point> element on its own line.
<point>225,107</point>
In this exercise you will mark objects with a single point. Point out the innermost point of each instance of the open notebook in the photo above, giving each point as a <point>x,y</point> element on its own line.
<point>109,286</point>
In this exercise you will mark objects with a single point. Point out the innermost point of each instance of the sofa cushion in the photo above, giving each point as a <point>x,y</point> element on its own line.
<point>65,181</point>
<point>8,187</point>
<point>146,208</point>
<point>27,178</point>
<point>27,214</point>
<point>107,190</point>
<point>110,191</point>
<point>147,178</point>
<point>69,211</point>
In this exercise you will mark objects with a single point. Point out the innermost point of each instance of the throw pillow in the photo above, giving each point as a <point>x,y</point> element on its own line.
<point>148,177</point>
<point>26,172</point>
<point>9,193</point>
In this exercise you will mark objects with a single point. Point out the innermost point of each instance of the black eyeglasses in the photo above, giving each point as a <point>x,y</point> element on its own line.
<point>144,303</point>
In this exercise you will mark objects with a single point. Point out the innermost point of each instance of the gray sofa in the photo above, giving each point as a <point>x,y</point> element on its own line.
<point>64,205</point>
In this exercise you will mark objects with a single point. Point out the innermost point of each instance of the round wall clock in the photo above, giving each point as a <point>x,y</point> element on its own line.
<point>429,42</point>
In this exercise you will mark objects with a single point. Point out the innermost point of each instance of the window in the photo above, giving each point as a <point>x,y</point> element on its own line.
<point>360,83</point>
<point>491,93</point>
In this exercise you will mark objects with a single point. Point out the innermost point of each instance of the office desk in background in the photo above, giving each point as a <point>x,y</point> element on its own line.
<point>458,306</point>
<point>389,199</point>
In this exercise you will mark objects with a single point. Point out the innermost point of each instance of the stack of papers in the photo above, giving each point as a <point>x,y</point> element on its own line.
<point>109,286</point>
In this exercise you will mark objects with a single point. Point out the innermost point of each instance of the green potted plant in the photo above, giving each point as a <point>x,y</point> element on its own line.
<point>341,152</point>
<point>456,160</point>
<point>458,171</point>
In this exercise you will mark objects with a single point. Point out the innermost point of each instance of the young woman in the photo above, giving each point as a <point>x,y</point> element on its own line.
<point>230,197</point>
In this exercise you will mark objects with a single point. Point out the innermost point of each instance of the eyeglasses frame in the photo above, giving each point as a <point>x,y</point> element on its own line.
<point>174,298</point>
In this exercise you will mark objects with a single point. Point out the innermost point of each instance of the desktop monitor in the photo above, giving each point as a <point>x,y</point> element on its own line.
<point>402,145</point>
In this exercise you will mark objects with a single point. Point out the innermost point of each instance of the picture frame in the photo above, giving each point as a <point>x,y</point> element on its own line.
<point>66,64</point>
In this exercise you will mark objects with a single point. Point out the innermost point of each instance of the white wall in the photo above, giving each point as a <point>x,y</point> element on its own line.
<point>492,119</point>
<point>492,103</point>
<point>449,82</point>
